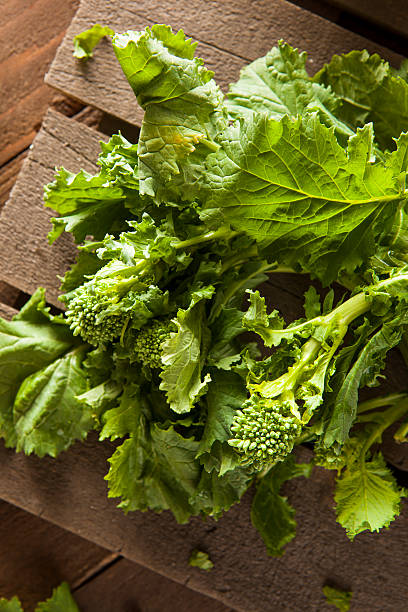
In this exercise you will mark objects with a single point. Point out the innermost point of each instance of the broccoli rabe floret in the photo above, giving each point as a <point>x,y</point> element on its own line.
<point>265,431</point>
<point>328,458</point>
<point>148,343</point>
<point>86,316</point>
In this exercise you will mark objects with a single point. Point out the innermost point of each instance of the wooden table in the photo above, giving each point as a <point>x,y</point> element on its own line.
<point>70,492</point>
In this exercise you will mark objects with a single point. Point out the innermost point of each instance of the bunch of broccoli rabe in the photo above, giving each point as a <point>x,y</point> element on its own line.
<point>284,173</point>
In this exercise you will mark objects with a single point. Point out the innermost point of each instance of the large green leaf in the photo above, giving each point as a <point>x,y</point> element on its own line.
<point>48,416</point>
<point>87,205</point>
<point>226,394</point>
<point>367,497</point>
<point>183,355</point>
<point>182,109</point>
<point>279,85</point>
<point>87,264</point>
<point>227,326</point>
<point>294,189</point>
<point>217,493</point>
<point>271,513</point>
<point>369,92</point>
<point>27,344</point>
<point>119,162</point>
<point>155,468</point>
<point>124,418</point>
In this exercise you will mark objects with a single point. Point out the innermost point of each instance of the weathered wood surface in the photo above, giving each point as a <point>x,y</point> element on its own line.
<point>35,556</point>
<point>30,33</point>
<point>26,259</point>
<point>129,587</point>
<point>8,175</point>
<point>228,34</point>
<point>70,492</point>
<point>391,14</point>
<point>6,311</point>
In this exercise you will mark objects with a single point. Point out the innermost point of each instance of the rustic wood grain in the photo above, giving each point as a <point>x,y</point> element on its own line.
<point>71,492</point>
<point>229,33</point>
<point>391,14</point>
<point>6,311</point>
<point>8,175</point>
<point>30,33</point>
<point>129,587</point>
<point>36,556</point>
<point>26,259</point>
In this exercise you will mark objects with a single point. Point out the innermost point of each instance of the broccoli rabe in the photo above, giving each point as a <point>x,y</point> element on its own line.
<point>147,346</point>
<point>265,431</point>
<point>86,316</point>
<point>121,293</point>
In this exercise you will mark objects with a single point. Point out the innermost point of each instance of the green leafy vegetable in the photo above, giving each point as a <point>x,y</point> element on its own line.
<point>85,42</point>
<point>369,91</point>
<point>337,597</point>
<point>271,513</point>
<point>200,559</point>
<point>61,599</point>
<point>168,346</point>
<point>10,605</point>
<point>367,497</point>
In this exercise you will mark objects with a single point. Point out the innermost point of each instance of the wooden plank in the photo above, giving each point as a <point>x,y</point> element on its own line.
<point>8,175</point>
<point>71,492</point>
<point>6,311</point>
<point>35,556</point>
<point>30,33</point>
<point>229,33</point>
<point>26,259</point>
<point>126,587</point>
<point>392,14</point>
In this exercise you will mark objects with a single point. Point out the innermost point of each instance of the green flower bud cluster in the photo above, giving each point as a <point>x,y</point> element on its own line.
<point>328,458</point>
<point>147,346</point>
<point>83,316</point>
<point>264,431</point>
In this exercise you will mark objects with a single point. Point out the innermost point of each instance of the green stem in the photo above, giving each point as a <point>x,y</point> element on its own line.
<point>401,433</point>
<point>380,402</point>
<point>222,232</point>
<point>233,288</point>
<point>306,436</point>
<point>344,314</point>
<point>352,308</point>
<point>340,318</point>
<point>393,414</point>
